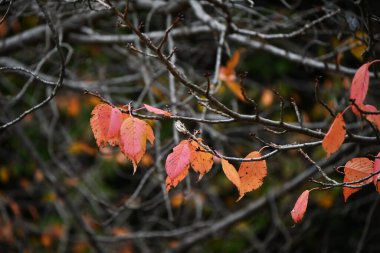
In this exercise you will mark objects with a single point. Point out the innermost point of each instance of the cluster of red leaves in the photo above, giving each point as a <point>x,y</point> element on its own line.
<point>111,126</point>
<point>358,171</point>
<point>189,152</point>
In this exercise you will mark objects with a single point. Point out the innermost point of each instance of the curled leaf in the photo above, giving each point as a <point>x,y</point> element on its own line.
<point>157,111</point>
<point>334,138</point>
<point>231,173</point>
<point>252,174</point>
<point>354,170</point>
<point>300,207</point>
<point>179,160</point>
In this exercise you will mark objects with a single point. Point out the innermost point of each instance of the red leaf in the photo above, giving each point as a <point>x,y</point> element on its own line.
<point>155,110</point>
<point>335,136</point>
<point>179,160</point>
<point>359,86</point>
<point>356,169</point>
<point>105,124</point>
<point>133,135</point>
<point>300,207</point>
<point>376,178</point>
<point>200,161</point>
<point>374,118</point>
<point>252,174</point>
<point>231,173</point>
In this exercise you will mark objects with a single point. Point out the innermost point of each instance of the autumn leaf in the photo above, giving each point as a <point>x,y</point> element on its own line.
<point>373,118</point>
<point>105,124</point>
<point>228,76</point>
<point>231,173</point>
<point>334,138</point>
<point>200,161</point>
<point>172,183</point>
<point>300,207</point>
<point>252,174</point>
<point>376,178</point>
<point>359,86</point>
<point>133,136</point>
<point>179,160</point>
<point>354,170</point>
<point>157,111</point>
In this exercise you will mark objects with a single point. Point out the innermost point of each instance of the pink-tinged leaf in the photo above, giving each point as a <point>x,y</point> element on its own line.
<point>354,170</point>
<point>105,124</point>
<point>179,160</point>
<point>373,118</point>
<point>157,111</point>
<point>133,135</point>
<point>252,174</point>
<point>231,173</point>
<point>376,169</point>
<point>149,133</point>
<point>200,161</point>
<point>300,207</point>
<point>359,86</point>
<point>172,183</point>
<point>334,138</point>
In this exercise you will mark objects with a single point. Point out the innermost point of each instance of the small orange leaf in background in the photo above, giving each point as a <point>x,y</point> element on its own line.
<point>178,161</point>
<point>231,173</point>
<point>374,118</point>
<point>78,147</point>
<point>228,76</point>
<point>73,106</point>
<point>200,161</point>
<point>356,169</point>
<point>252,174</point>
<point>300,207</point>
<point>334,138</point>
<point>376,178</point>
<point>155,110</point>
<point>133,136</point>
<point>105,124</point>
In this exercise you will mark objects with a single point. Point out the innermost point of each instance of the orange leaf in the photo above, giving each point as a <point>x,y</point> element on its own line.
<point>155,110</point>
<point>356,169</point>
<point>236,89</point>
<point>174,182</point>
<point>105,124</point>
<point>228,72</point>
<point>233,62</point>
<point>252,174</point>
<point>231,173</point>
<point>179,160</point>
<point>300,207</point>
<point>133,136</point>
<point>200,161</point>
<point>335,136</point>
